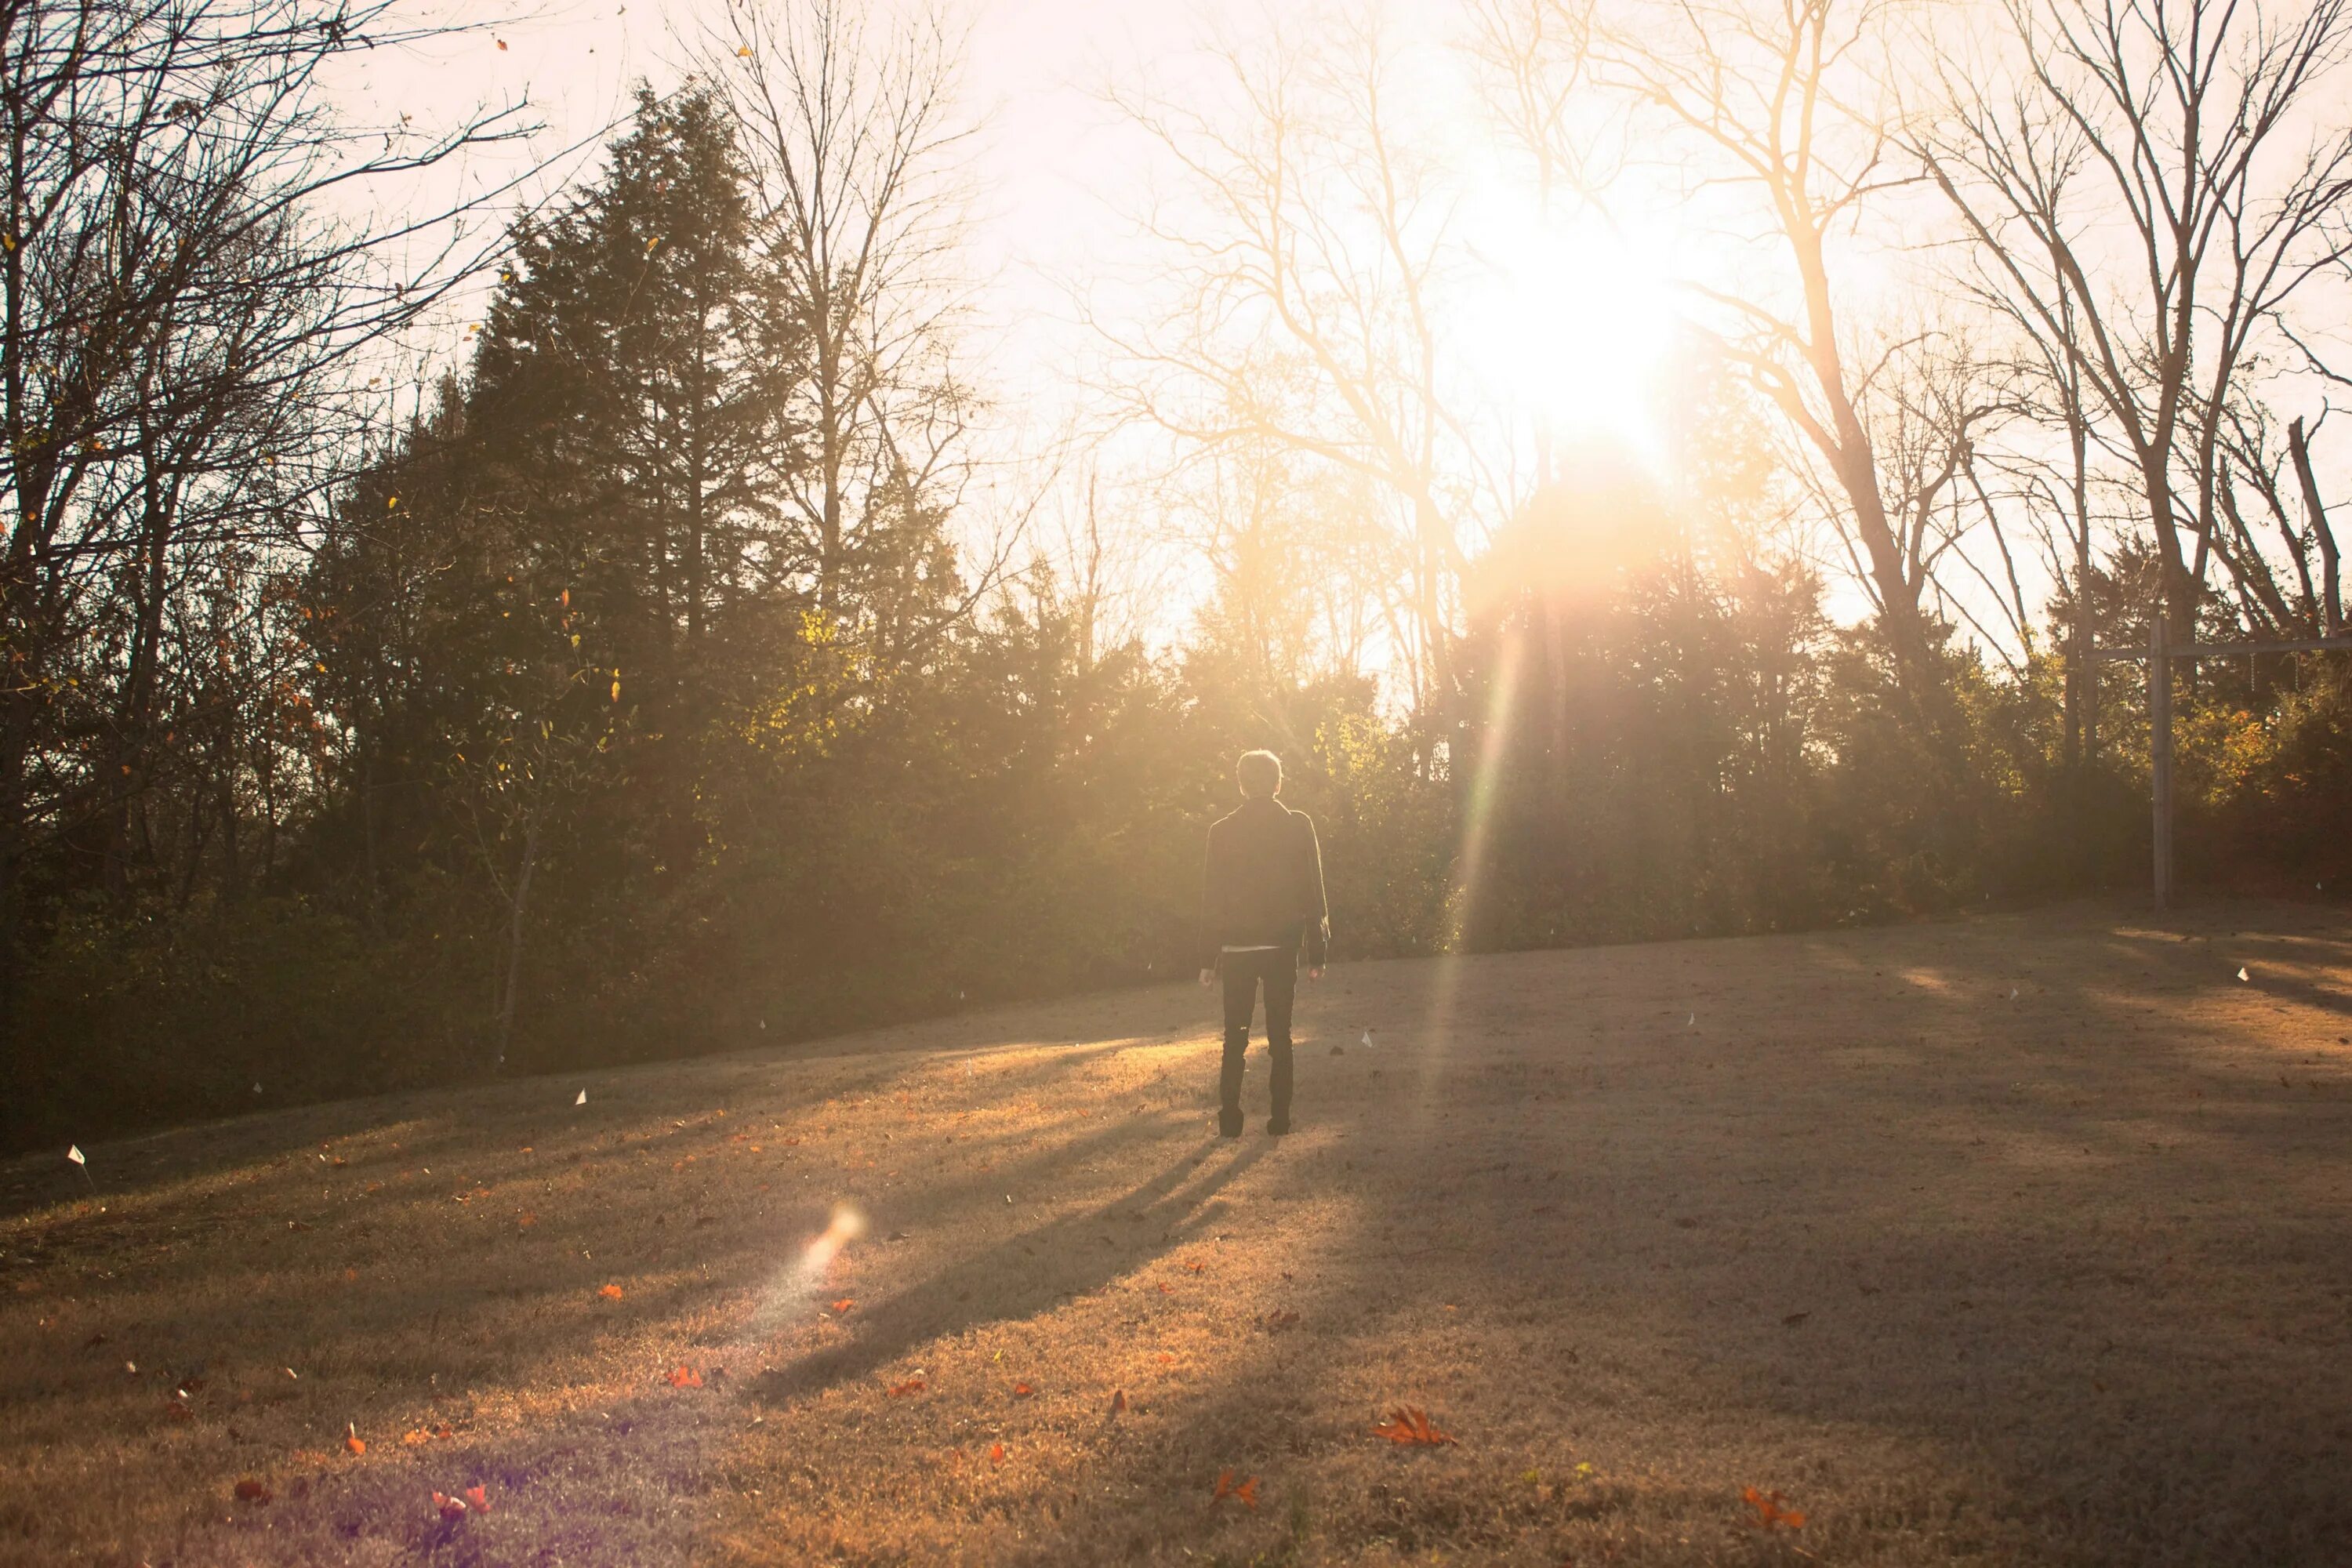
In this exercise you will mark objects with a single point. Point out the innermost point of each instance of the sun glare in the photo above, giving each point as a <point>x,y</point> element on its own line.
<point>1571,324</point>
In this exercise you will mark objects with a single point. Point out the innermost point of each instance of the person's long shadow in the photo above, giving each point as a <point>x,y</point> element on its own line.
<point>1028,1273</point>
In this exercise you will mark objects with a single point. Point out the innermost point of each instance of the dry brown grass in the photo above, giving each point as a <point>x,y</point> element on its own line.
<point>2062,1278</point>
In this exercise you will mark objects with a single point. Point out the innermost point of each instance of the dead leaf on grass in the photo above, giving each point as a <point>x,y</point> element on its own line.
<point>901,1390</point>
<point>1023,1391</point>
<point>843,1305</point>
<point>1409,1425</point>
<point>251,1490</point>
<point>1118,1401</point>
<point>479,1496</point>
<point>451,1509</point>
<point>996,1453</point>
<point>1793,1319</point>
<point>684,1377</point>
<point>1771,1509</point>
<point>611,1292</point>
<point>1226,1488</point>
<point>352,1438</point>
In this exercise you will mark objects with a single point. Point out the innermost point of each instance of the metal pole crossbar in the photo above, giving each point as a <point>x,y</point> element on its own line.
<point>2159,654</point>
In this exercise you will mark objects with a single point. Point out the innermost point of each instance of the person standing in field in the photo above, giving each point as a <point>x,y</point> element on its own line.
<point>1262,910</point>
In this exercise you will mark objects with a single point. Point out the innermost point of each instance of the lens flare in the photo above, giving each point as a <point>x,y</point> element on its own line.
<point>847,1225</point>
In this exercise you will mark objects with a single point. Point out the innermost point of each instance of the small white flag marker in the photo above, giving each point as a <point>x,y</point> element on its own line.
<point>2241,972</point>
<point>73,1153</point>
<point>1694,1022</point>
<point>583,1100</point>
<point>1368,1039</point>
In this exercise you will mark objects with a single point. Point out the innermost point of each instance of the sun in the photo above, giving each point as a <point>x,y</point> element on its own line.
<point>1571,324</point>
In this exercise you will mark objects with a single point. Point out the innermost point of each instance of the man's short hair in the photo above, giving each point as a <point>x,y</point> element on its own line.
<point>1259,773</point>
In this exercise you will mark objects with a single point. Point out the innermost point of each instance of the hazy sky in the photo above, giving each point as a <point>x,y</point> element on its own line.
<point>1036,68</point>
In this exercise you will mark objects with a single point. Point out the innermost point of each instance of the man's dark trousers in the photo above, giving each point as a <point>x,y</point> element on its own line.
<point>1277,969</point>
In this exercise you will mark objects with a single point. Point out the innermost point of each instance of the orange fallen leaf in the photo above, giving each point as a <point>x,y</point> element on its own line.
<point>610,1293</point>
<point>1226,1488</point>
<point>1166,1289</point>
<point>1194,1265</point>
<point>996,1453</point>
<point>525,1221</point>
<point>350,1275</point>
<point>1407,1425</point>
<point>844,1304</point>
<point>250,1490</point>
<point>479,1496</point>
<point>899,1389</point>
<point>451,1509</point>
<point>352,1440</point>
<point>1022,1391</point>
<point>685,1377</point>
<point>1769,1511</point>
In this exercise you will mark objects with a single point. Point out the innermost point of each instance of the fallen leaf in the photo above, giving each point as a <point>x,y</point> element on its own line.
<point>479,1496</point>
<point>610,1293</point>
<point>899,1389</point>
<point>685,1377</point>
<point>352,1440</point>
<point>451,1509</point>
<point>1245,1491</point>
<point>250,1490</point>
<point>1793,1319</point>
<point>1407,1425</point>
<point>525,1221</point>
<point>1023,1391</point>
<point>1118,1401</point>
<point>1769,1511</point>
<point>844,1304</point>
<point>996,1453</point>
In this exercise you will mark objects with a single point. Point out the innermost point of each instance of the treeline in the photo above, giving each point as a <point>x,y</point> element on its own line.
<point>646,689</point>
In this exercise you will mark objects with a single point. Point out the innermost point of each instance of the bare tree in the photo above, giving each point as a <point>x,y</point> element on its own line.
<point>1300,270</point>
<point>180,321</point>
<point>2149,192</point>
<point>1784,113</point>
<point>856,144</point>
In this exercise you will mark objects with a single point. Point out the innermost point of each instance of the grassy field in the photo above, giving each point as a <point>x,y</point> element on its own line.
<point>2015,1239</point>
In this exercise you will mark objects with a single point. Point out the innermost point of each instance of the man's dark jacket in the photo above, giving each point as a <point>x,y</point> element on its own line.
<point>1264,884</point>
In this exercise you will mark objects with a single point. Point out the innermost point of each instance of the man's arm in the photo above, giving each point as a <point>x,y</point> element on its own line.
<point>1318,912</point>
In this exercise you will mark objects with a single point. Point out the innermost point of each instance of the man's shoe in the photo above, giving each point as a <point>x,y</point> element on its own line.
<point>1276,1126</point>
<point>1229,1129</point>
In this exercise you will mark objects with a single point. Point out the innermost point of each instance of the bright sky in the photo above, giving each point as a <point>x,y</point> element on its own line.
<point>1035,71</point>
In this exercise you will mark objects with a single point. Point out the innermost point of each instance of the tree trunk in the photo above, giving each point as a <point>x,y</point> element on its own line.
<point>2331,585</point>
<point>518,907</point>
